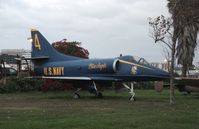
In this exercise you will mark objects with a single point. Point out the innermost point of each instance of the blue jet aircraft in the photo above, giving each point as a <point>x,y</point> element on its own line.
<point>50,64</point>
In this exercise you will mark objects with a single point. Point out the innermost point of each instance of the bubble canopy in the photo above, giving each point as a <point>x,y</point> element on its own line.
<point>139,60</point>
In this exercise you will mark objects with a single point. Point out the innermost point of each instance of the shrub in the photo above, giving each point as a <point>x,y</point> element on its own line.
<point>26,84</point>
<point>144,85</point>
<point>10,86</point>
<point>15,84</point>
<point>56,85</point>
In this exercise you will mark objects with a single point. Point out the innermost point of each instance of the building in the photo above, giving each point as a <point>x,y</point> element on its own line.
<point>194,72</point>
<point>8,59</point>
<point>163,66</point>
<point>9,56</point>
<point>19,52</point>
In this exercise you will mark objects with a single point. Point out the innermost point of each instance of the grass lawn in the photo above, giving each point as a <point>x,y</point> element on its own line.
<point>57,110</point>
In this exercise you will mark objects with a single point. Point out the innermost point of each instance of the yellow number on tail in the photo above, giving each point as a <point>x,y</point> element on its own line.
<point>37,43</point>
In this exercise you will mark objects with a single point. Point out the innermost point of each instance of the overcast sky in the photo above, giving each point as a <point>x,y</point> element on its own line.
<point>105,27</point>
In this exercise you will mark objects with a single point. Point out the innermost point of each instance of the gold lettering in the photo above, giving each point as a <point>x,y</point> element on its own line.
<point>54,71</point>
<point>49,70</point>
<point>97,66</point>
<point>45,71</point>
<point>57,69</point>
<point>37,43</point>
<point>62,70</point>
<point>58,73</point>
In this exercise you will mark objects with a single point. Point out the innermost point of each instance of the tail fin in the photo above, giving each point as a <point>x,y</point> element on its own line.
<point>42,48</point>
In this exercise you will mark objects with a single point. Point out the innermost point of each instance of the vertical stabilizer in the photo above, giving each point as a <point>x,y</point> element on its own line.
<point>42,48</point>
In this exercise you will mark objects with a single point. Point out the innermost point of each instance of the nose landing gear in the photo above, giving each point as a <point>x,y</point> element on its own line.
<point>131,91</point>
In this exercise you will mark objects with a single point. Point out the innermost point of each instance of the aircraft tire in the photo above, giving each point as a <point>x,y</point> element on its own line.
<point>99,95</point>
<point>131,98</point>
<point>76,96</point>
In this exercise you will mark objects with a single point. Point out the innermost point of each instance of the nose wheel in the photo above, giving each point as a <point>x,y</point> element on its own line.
<point>76,94</point>
<point>131,91</point>
<point>99,95</point>
<point>131,98</point>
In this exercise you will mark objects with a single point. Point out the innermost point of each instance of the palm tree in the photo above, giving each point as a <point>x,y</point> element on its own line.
<point>185,14</point>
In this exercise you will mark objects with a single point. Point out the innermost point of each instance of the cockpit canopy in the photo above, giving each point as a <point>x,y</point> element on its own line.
<point>135,58</point>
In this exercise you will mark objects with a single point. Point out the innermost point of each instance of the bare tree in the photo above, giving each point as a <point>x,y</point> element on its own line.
<point>162,32</point>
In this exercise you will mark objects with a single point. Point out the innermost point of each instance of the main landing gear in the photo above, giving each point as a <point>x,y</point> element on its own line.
<point>131,91</point>
<point>76,94</point>
<point>91,88</point>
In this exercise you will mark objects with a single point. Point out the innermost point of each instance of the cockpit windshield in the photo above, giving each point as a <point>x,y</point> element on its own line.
<point>135,58</point>
<point>141,60</point>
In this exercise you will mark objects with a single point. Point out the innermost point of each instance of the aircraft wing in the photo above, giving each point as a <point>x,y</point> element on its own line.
<point>61,78</point>
<point>77,78</point>
<point>98,78</point>
<point>105,79</point>
<point>187,84</point>
<point>187,81</point>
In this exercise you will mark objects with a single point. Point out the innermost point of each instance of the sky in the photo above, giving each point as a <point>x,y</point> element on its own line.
<point>107,28</point>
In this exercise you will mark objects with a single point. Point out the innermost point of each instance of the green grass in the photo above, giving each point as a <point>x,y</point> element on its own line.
<point>57,110</point>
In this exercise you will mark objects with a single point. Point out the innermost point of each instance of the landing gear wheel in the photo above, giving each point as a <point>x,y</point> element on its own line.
<point>131,98</point>
<point>76,96</point>
<point>99,95</point>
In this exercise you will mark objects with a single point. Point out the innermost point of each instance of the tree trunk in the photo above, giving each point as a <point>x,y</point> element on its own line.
<point>184,70</point>
<point>171,101</point>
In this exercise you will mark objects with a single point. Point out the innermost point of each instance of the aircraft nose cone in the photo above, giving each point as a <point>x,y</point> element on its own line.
<point>163,73</point>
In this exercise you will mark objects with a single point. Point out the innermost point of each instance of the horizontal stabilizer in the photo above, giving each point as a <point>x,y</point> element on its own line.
<point>33,58</point>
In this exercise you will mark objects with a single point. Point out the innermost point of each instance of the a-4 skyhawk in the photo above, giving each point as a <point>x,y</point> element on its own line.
<point>50,64</point>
